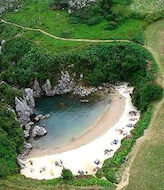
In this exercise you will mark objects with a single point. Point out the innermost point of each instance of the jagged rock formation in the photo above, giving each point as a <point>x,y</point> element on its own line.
<point>8,4</point>
<point>65,85</point>
<point>47,88</point>
<point>82,91</point>
<point>25,106</point>
<point>37,89</point>
<point>78,4</point>
<point>25,151</point>
<point>38,131</point>
<point>23,111</point>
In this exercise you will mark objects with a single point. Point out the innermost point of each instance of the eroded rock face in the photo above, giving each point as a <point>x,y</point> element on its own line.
<point>38,131</point>
<point>82,91</point>
<point>25,106</point>
<point>37,89</point>
<point>78,4</point>
<point>8,4</point>
<point>47,88</point>
<point>28,94</point>
<point>26,150</point>
<point>23,111</point>
<point>65,84</point>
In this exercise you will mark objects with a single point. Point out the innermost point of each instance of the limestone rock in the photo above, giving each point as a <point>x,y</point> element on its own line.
<point>65,84</point>
<point>26,150</point>
<point>78,4</point>
<point>37,89</point>
<point>38,131</point>
<point>83,91</point>
<point>26,133</point>
<point>23,111</point>
<point>28,93</point>
<point>47,88</point>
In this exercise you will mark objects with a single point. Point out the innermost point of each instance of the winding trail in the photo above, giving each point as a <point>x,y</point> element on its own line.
<point>60,38</point>
<point>126,174</point>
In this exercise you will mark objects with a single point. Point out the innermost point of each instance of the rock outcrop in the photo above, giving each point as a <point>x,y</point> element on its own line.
<point>37,89</point>
<point>65,85</point>
<point>25,151</point>
<point>38,131</point>
<point>83,91</point>
<point>8,4</point>
<point>25,106</point>
<point>23,111</point>
<point>47,88</point>
<point>29,96</point>
<point>75,5</point>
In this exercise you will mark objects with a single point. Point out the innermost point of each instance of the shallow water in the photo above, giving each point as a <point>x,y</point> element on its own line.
<point>69,119</point>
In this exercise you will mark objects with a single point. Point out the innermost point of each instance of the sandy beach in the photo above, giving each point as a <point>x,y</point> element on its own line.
<point>96,145</point>
<point>106,121</point>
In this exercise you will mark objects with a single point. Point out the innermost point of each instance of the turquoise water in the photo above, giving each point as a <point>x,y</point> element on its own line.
<point>69,118</point>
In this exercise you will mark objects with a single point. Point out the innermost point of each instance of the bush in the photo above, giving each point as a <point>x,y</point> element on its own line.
<point>94,20</point>
<point>60,4</point>
<point>152,18</point>
<point>111,25</point>
<point>146,94</point>
<point>67,174</point>
<point>11,141</point>
<point>8,94</point>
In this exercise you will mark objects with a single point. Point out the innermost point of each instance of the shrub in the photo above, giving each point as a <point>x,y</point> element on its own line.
<point>95,20</point>
<point>111,25</point>
<point>8,94</point>
<point>146,94</point>
<point>60,4</point>
<point>11,141</point>
<point>152,18</point>
<point>67,174</point>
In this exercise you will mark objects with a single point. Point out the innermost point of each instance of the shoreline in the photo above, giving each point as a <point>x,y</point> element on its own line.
<point>84,158</point>
<point>101,126</point>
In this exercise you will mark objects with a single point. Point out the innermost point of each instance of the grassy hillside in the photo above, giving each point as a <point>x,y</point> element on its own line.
<point>147,168</point>
<point>147,6</point>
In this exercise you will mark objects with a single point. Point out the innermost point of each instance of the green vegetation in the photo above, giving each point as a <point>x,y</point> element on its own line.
<point>147,94</point>
<point>147,6</point>
<point>99,63</point>
<point>29,54</point>
<point>11,141</point>
<point>152,18</point>
<point>146,171</point>
<point>67,174</point>
<point>37,14</point>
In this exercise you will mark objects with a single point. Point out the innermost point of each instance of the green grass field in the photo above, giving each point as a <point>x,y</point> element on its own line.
<point>147,6</point>
<point>37,14</point>
<point>147,171</point>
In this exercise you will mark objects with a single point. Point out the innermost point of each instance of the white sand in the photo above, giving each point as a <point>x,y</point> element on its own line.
<point>82,158</point>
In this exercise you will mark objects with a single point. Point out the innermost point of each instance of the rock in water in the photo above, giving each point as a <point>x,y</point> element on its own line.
<point>38,131</point>
<point>37,89</point>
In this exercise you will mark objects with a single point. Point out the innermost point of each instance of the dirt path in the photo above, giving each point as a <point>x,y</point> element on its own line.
<point>126,174</point>
<point>60,38</point>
